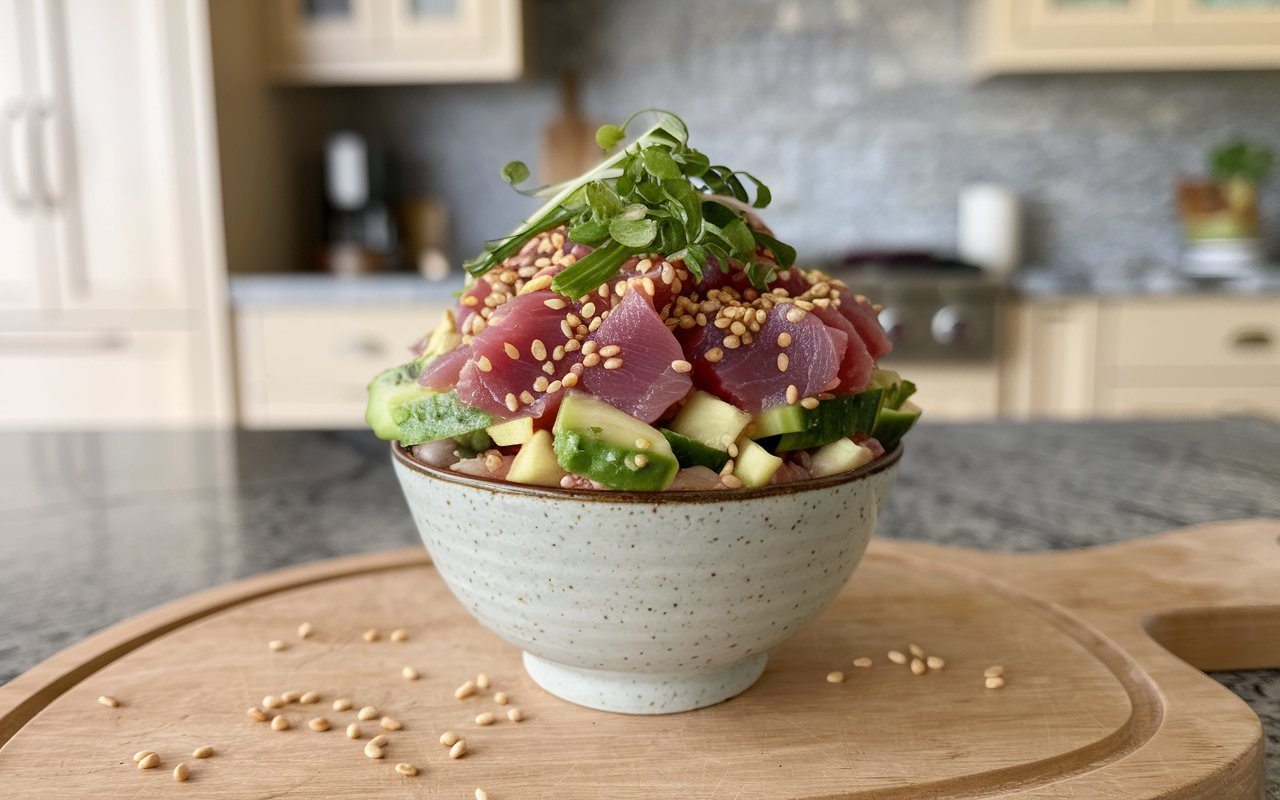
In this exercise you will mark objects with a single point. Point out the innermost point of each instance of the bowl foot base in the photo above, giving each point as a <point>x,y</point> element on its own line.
<point>639,693</point>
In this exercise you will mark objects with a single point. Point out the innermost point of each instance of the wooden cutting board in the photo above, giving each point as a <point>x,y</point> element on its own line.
<point>1094,706</point>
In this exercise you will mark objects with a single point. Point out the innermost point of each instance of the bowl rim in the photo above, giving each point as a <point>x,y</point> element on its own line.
<point>496,486</point>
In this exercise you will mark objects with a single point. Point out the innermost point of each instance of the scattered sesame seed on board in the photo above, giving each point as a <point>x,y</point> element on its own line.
<point>181,773</point>
<point>204,751</point>
<point>487,718</point>
<point>109,701</point>
<point>994,671</point>
<point>367,713</point>
<point>373,751</point>
<point>319,724</point>
<point>459,749</point>
<point>280,723</point>
<point>342,704</point>
<point>391,724</point>
<point>918,667</point>
<point>835,677</point>
<point>501,698</point>
<point>353,731</point>
<point>305,631</point>
<point>400,635</point>
<point>271,701</point>
<point>515,714</point>
<point>862,662</point>
<point>934,662</point>
<point>481,794</point>
<point>916,650</point>
<point>372,635</point>
<point>407,770</point>
<point>482,681</point>
<point>449,738</point>
<point>141,754</point>
<point>465,690</point>
<point>897,657</point>
<point>277,645</point>
<point>309,698</point>
<point>257,715</point>
<point>410,674</point>
<point>381,740</point>
<point>291,697</point>
<point>995,683</point>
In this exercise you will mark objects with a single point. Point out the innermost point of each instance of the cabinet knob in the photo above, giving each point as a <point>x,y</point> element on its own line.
<point>1252,339</point>
<point>361,347</point>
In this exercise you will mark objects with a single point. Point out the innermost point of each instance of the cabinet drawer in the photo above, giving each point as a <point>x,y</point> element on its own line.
<point>92,379</point>
<point>309,366</point>
<point>1226,333</point>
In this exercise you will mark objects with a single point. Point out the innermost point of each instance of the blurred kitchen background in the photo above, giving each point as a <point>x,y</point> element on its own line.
<point>235,212</point>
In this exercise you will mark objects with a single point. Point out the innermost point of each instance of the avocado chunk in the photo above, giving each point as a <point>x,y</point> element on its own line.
<point>536,464</point>
<point>839,456</point>
<point>710,420</point>
<point>777,421</point>
<point>896,389</point>
<point>893,424</point>
<point>834,419</point>
<point>692,453</point>
<point>754,465</point>
<point>597,441</point>
<point>516,431</point>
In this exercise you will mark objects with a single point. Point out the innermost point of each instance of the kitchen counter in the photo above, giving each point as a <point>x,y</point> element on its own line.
<point>1042,283</point>
<point>96,527</point>
<point>316,288</point>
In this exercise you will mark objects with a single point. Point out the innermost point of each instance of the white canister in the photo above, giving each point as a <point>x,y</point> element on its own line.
<point>989,227</point>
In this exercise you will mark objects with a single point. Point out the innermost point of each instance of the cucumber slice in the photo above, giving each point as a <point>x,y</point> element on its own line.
<point>389,390</point>
<point>436,416</point>
<point>754,465</point>
<point>837,418</point>
<point>710,420</point>
<point>893,424</point>
<point>517,431</point>
<point>839,456</point>
<point>692,453</point>
<point>896,390</point>
<point>777,421</point>
<point>595,440</point>
<point>536,464</point>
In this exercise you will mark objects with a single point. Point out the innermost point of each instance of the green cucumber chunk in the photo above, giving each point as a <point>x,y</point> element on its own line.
<point>536,463</point>
<point>896,389</point>
<point>388,391</point>
<point>692,453</point>
<point>399,409</point>
<point>777,421</point>
<point>597,441</point>
<point>893,424</point>
<point>839,456</point>
<point>837,418</point>
<point>754,465</point>
<point>710,420</point>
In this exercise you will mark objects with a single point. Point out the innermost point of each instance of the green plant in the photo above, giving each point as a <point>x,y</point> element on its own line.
<point>1241,160</point>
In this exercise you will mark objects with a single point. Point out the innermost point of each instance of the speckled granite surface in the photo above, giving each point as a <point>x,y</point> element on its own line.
<point>97,527</point>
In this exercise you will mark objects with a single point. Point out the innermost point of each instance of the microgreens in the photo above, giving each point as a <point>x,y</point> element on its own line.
<point>656,194</point>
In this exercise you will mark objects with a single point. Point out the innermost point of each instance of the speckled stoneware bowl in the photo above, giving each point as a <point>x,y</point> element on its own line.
<point>645,603</point>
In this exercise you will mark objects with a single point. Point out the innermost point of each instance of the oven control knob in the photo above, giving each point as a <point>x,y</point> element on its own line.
<point>894,324</point>
<point>949,326</point>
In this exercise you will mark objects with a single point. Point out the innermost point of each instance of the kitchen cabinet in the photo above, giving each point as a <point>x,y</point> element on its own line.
<point>394,41</point>
<point>953,391</point>
<point>110,215</point>
<point>1050,358</point>
<point>1025,36</point>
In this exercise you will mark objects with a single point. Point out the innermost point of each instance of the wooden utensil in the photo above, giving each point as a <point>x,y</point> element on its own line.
<point>1093,705</point>
<point>569,143</point>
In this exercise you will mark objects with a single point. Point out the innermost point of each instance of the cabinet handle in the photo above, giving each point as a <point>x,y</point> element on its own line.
<point>361,347</point>
<point>44,118</point>
<point>63,343</point>
<point>1252,339</point>
<point>14,114</point>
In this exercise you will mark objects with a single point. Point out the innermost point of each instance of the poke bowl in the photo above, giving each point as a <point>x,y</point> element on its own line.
<point>645,447</point>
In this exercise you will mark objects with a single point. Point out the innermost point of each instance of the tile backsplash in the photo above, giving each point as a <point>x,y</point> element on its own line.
<point>858,113</point>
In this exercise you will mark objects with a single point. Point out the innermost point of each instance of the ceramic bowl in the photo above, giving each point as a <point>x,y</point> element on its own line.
<point>645,603</point>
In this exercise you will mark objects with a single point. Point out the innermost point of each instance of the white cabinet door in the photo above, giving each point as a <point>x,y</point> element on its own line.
<point>110,121</point>
<point>20,288</point>
<point>1225,22</point>
<point>1085,23</point>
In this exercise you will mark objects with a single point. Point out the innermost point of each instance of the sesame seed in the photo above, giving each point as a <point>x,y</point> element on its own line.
<point>784,339</point>
<point>501,698</point>
<point>557,353</point>
<point>649,288</point>
<point>862,662</point>
<point>271,701</point>
<point>484,364</point>
<point>459,749</point>
<point>933,662</point>
<point>319,724</point>
<point>353,731</point>
<point>566,329</point>
<point>613,363</point>
<point>391,724</point>
<point>410,674</point>
<point>641,460</point>
<point>280,723</point>
<point>465,690</point>
<point>511,350</point>
<point>512,403</point>
<point>835,677</point>
<point>305,631</point>
<point>554,387</point>
<point>367,713</point>
<point>471,301</point>
<point>732,342</point>
<point>794,315</point>
<point>108,701</point>
<point>526,397</point>
<point>595,324</point>
<point>570,380</point>
<point>733,450</point>
<point>589,310</point>
<point>342,704</point>
<point>309,698</point>
<point>399,635</point>
<point>714,354</point>
<point>783,362</point>
<point>897,657</point>
<point>620,288</point>
<point>381,740</point>
<point>373,751</point>
<point>610,350</point>
<point>514,714</point>
<point>277,645</point>
<point>291,697</point>
<point>918,667</point>
<point>544,247</point>
<point>181,773</point>
<point>487,718</point>
<point>722,322</point>
<point>549,367</point>
<point>737,328</point>
<point>732,481</point>
<point>645,265</point>
<point>141,754</point>
<point>809,403</point>
<point>995,683</point>
<point>916,650</point>
<point>202,752</point>
<point>590,347</point>
<point>372,635</point>
<point>555,303</point>
<point>573,320</point>
<point>406,769</point>
<point>996,671</point>
<point>538,350</point>
<point>572,345</point>
<point>793,395</point>
<point>591,359</point>
<point>481,794</point>
<point>680,365</point>
<point>257,715</point>
<point>537,284</point>
<point>449,738</point>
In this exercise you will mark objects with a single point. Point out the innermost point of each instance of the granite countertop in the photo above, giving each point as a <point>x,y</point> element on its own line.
<point>96,527</point>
